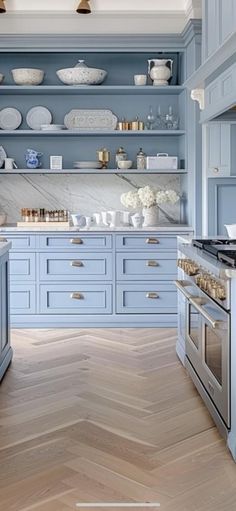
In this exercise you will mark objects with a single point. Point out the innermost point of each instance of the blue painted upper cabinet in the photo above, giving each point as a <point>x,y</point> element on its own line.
<point>219,22</point>
<point>220,149</point>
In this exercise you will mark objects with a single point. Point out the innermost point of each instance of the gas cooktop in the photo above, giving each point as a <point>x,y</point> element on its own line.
<point>222,249</point>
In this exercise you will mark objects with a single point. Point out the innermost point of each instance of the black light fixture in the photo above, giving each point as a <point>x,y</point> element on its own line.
<point>84,7</point>
<point>2,7</point>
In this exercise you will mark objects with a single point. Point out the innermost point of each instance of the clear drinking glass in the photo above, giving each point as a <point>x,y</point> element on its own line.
<point>150,119</point>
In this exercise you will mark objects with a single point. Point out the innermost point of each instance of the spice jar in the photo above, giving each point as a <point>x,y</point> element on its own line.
<point>141,160</point>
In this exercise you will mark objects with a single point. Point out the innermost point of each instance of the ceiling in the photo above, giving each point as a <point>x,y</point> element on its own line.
<point>108,16</point>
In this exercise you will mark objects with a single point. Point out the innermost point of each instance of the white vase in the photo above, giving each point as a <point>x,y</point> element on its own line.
<point>159,71</point>
<point>151,216</point>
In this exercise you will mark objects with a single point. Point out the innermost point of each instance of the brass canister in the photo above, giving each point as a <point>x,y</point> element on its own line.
<point>140,125</point>
<point>104,157</point>
<point>135,125</point>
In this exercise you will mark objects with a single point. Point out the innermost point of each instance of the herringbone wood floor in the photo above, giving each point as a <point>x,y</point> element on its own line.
<point>107,416</point>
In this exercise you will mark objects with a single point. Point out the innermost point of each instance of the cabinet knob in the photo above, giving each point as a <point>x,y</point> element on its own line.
<point>77,296</point>
<point>152,241</point>
<point>152,295</point>
<point>216,170</point>
<point>76,241</point>
<point>77,264</point>
<point>152,264</point>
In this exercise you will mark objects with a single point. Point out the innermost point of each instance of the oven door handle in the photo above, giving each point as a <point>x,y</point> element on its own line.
<point>181,285</point>
<point>197,304</point>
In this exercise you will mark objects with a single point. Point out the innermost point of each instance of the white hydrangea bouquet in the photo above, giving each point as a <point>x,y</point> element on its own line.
<point>148,199</point>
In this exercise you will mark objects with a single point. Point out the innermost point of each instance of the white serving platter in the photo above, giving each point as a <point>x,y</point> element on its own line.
<point>90,120</point>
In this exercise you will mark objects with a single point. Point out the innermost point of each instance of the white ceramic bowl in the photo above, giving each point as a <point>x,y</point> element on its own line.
<point>81,76</point>
<point>27,76</point>
<point>231,230</point>
<point>3,218</point>
<point>125,164</point>
<point>1,77</point>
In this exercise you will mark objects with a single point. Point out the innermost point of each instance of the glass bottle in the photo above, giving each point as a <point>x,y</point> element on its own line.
<point>141,160</point>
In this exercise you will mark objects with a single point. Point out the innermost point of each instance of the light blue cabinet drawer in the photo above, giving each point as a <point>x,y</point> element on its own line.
<point>89,266</point>
<point>146,298</point>
<point>22,299</point>
<point>20,242</point>
<point>75,299</point>
<point>146,266</point>
<point>146,242</point>
<point>22,267</point>
<point>76,242</point>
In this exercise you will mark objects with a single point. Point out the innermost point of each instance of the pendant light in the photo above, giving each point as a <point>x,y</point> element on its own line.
<point>84,7</point>
<point>2,7</point>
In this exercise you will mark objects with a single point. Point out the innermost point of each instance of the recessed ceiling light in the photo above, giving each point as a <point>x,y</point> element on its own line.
<point>84,7</point>
<point>2,6</point>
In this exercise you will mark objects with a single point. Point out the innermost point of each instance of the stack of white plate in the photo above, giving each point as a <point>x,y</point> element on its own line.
<point>52,127</point>
<point>87,165</point>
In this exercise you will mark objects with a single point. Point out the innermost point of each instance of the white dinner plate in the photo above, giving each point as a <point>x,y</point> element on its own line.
<point>3,155</point>
<point>10,119</point>
<point>87,164</point>
<point>37,116</point>
<point>52,127</point>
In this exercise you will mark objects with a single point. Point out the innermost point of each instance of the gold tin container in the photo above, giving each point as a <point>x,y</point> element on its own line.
<point>104,157</point>
<point>140,125</point>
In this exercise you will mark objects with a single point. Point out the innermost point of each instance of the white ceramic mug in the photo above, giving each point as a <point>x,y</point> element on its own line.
<point>88,220</point>
<point>97,217</point>
<point>137,220</point>
<point>9,164</point>
<point>140,79</point>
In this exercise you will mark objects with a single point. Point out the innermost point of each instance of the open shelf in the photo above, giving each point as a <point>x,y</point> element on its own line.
<point>91,90</point>
<point>89,171</point>
<point>91,133</point>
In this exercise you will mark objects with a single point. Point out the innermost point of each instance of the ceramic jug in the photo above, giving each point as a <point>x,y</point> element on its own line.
<point>33,159</point>
<point>159,71</point>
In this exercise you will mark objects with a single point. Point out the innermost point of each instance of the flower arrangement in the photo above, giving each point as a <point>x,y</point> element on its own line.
<point>147,197</point>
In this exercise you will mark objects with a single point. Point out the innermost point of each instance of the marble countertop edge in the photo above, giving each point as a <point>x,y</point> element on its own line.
<point>160,228</point>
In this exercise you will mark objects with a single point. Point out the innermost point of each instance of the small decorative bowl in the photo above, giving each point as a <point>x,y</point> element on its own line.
<point>125,164</point>
<point>27,76</point>
<point>1,77</point>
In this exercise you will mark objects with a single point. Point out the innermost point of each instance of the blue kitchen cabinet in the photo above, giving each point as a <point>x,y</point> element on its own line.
<point>218,149</point>
<point>219,22</point>
<point>5,348</point>
<point>93,279</point>
<point>221,205</point>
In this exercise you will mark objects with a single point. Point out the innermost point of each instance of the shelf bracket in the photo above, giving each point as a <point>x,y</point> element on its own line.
<point>199,96</point>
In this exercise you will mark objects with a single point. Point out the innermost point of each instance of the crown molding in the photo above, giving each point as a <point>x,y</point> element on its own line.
<point>114,22</point>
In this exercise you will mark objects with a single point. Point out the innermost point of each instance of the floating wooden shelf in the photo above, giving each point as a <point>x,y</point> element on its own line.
<point>90,133</point>
<point>90,171</point>
<point>91,90</point>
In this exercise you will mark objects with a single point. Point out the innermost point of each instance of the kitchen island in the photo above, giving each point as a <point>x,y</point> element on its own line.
<point>5,348</point>
<point>100,277</point>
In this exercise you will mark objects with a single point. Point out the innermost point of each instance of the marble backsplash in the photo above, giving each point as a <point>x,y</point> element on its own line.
<point>86,194</point>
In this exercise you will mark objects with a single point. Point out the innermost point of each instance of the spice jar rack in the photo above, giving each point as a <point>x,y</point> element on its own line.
<point>41,217</point>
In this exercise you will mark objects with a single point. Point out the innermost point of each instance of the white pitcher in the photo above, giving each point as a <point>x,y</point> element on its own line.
<point>159,72</point>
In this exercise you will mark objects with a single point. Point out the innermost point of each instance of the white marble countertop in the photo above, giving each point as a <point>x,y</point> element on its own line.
<point>165,228</point>
<point>4,247</point>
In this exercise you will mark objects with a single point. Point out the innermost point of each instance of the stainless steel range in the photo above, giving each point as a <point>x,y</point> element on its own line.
<point>206,294</point>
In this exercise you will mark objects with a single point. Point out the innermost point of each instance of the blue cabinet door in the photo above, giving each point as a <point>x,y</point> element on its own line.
<point>218,149</point>
<point>5,348</point>
<point>221,205</point>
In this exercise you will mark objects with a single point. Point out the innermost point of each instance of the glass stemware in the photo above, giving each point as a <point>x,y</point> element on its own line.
<point>150,119</point>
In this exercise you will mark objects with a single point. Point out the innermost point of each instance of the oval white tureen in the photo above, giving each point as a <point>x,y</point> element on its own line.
<point>81,75</point>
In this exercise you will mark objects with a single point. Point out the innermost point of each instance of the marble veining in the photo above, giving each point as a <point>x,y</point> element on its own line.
<point>85,194</point>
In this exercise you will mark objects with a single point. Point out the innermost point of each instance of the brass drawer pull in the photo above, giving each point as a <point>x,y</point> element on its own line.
<point>152,263</point>
<point>77,296</point>
<point>152,295</point>
<point>77,264</point>
<point>152,241</point>
<point>3,240</point>
<point>76,241</point>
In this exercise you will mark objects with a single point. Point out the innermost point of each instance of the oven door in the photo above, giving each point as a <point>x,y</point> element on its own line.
<point>208,350</point>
